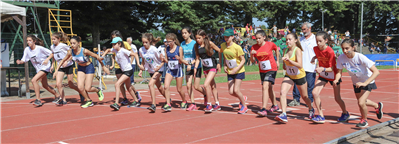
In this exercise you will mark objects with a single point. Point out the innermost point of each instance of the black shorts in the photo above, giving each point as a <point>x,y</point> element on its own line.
<point>45,72</point>
<point>236,76</point>
<point>269,76</point>
<point>67,70</point>
<point>369,87</point>
<point>331,82</point>
<point>300,81</point>
<point>198,74</point>
<point>118,71</point>
<point>152,74</point>
<point>128,73</point>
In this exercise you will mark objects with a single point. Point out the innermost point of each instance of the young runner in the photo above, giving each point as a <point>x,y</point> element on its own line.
<point>174,57</point>
<point>40,59</point>
<point>234,67</point>
<point>204,49</point>
<point>268,66</point>
<point>85,70</point>
<point>189,57</point>
<point>151,59</point>
<point>294,74</point>
<point>60,50</point>
<point>363,73</point>
<point>327,70</point>
<point>122,57</point>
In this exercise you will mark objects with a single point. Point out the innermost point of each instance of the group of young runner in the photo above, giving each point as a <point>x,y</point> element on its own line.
<point>197,54</point>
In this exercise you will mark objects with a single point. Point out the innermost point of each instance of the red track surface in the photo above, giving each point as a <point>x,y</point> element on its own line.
<point>23,123</point>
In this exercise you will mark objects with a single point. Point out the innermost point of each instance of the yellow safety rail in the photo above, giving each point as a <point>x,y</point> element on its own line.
<point>65,23</point>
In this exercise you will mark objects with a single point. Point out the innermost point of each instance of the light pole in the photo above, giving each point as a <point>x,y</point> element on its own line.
<point>322,18</point>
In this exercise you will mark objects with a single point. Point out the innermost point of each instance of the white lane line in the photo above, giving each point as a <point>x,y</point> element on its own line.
<point>38,112</point>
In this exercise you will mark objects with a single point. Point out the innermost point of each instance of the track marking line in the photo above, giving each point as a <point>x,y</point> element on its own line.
<point>37,112</point>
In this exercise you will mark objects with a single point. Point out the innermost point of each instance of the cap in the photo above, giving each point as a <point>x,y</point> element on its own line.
<point>115,40</point>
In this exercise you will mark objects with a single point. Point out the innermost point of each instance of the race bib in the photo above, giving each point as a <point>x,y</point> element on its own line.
<point>355,71</point>
<point>292,70</point>
<point>231,63</point>
<point>189,60</point>
<point>207,62</point>
<point>173,65</point>
<point>328,75</point>
<point>265,65</point>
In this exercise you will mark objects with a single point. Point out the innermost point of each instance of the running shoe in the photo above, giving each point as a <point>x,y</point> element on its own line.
<point>344,117</point>
<point>192,107</point>
<point>138,96</point>
<point>115,106</point>
<point>245,99</point>
<point>319,119</point>
<point>378,110</point>
<point>262,112</point>
<point>217,107</point>
<point>184,105</point>
<point>208,108</point>
<point>134,104</point>
<point>124,102</point>
<point>100,94</point>
<point>294,103</point>
<point>152,108</point>
<point>87,104</point>
<point>362,123</point>
<point>274,108</point>
<point>61,103</point>
<point>281,118</point>
<point>37,103</point>
<point>56,100</point>
<point>311,113</point>
<point>243,110</point>
<point>167,108</point>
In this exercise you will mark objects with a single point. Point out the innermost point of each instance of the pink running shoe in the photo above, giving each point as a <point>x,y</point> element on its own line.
<point>274,108</point>
<point>243,110</point>
<point>262,112</point>
<point>245,99</point>
<point>208,108</point>
<point>216,107</point>
<point>192,107</point>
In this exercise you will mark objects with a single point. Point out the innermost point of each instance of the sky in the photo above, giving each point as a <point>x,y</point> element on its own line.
<point>257,22</point>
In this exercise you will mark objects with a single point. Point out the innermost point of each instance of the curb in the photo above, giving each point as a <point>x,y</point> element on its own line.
<point>361,132</point>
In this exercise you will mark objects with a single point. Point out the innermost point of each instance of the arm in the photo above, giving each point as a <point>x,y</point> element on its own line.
<point>277,58</point>
<point>375,71</point>
<point>99,59</point>
<point>62,62</point>
<point>106,52</point>
<point>337,77</point>
<point>181,57</point>
<point>48,59</point>
<point>137,59</point>
<point>239,66</point>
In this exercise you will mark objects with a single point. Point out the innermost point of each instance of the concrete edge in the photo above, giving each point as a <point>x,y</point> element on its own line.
<point>363,131</point>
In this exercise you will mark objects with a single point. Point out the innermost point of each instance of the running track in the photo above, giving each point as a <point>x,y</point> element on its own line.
<point>23,123</point>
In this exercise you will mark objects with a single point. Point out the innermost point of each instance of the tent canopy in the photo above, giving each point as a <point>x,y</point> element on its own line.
<point>8,10</point>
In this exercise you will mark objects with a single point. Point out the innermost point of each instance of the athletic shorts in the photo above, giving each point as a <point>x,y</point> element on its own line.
<point>197,75</point>
<point>89,69</point>
<point>45,72</point>
<point>212,69</point>
<point>269,76</point>
<point>176,73</point>
<point>331,82</point>
<point>128,73</point>
<point>300,81</point>
<point>236,76</point>
<point>118,71</point>
<point>152,74</point>
<point>369,87</point>
<point>67,70</point>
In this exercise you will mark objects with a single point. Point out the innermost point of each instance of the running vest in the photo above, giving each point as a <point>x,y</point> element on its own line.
<point>173,63</point>
<point>80,58</point>
<point>208,62</point>
<point>292,71</point>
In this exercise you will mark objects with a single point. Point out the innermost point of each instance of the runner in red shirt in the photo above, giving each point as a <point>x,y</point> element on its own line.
<point>263,52</point>
<point>327,70</point>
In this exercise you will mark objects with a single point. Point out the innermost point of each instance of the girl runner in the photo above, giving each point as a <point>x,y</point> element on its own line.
<point>85,70</point>
<point>123,59</point>
<point>234,67</point>
<point>294,74</point>
<point>39,57</point>
<point>204,49</point>
<point>363,73</point>
<point>60,50</point>
<point>174,56</point>
<point>189,57</point>
<point>151,59</point>
<point>268,66</point>
<point>327,70</point>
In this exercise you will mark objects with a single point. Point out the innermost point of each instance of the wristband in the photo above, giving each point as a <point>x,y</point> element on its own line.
<point>324,70</point>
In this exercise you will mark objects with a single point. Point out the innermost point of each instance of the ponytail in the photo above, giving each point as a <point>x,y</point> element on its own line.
<point>36,40</point>
<point>208,49</point>
<point>61,36</point>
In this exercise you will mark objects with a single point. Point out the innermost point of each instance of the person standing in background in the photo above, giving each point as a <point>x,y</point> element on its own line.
<point>134,49</point>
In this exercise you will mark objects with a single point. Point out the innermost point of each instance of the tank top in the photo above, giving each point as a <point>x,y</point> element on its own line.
<point>292,71</point>
<point>80,58</point>
<point>173,63</point>
<point>208,62</point>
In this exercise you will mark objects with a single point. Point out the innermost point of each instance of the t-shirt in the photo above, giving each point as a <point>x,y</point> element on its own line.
<point>134,48</point>
<point>326,59</point>
<point>152,58</point>
<point>189,51</point>
<point>60,51</point>
<point>265,56</point>
<point>127,46</point>
<point>308,52</point>
<point>275,29</point>
<point>232,56</point>
<point>123,58</point>
<point>358,67</point>
<point>37,57</point>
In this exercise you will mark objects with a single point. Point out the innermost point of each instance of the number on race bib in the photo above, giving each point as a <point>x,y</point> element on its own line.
<point>265,65</point>
<point>328,75</point>
<point>231,63</point>
<point>292,70</point>
<point>173,65</point>
<point>207,62</point>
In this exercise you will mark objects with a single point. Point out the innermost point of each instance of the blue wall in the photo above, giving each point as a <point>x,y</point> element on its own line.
<point>375,57</point>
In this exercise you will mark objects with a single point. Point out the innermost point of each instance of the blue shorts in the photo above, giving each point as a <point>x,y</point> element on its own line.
<point>87,69</point>
<point>236,76</point>
<point>176,73</point>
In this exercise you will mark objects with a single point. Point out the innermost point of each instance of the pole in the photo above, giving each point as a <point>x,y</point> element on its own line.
<point>99,68</point>
<point>322,20</point>
<point>361,31</point>
<point>26,64</point>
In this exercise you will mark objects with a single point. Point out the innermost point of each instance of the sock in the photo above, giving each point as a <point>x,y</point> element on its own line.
<point>217,103</point>
<point>209,103</point>
<point>284,113</point>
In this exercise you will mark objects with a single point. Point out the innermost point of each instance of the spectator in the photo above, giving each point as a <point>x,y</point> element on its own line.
<point>274,29</point>
<point>347,34</point>
<point>329,32</point>
<point>378,49</point>
<point>294,30</point>
<point>134,49</point>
